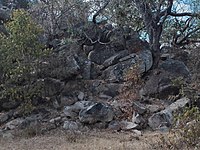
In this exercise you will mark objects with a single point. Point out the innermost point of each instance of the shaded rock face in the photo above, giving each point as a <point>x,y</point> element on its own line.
<point>62,65</point>
<point>98,112</point>
<point>99,57</point>
<point>159,86</point>
<point>175,67</point>
<point>164,118</point>
<point>142,61</point>
<point>5,117</point>
<point>161,83</point>
<point>6,104</point>
<point>100,54</point>
<point>91,88</point>
<point>160,119</point>
<point>5,15</point>
<point>72,111</point>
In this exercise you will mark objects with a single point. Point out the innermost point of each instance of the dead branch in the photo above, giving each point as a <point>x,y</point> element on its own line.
<point>99,11</point>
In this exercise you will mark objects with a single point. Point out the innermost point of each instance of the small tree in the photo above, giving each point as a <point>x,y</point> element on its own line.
<point>154,14</point>
<point>19,56</point>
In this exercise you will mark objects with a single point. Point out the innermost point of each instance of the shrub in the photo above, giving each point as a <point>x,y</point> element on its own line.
<point>20,54</point>
<point>186,134</point>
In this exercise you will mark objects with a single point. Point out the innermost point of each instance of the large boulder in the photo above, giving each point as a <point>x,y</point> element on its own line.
<point>160,119</point>
<point>166,80</point>
<point>5,15</point>
<point>175,67</point>
<point>100,54</point>
<point>72,111</point>
<point>98,112</point>
<point>6,104</point>
<point>160,86</point>
<point>164,118</point>
<point>142,62</point>
<point>114,59</point>
<point>63,66</point>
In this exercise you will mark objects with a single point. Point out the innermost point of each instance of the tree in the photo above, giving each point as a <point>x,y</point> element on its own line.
<point>20,55</point>
<point>55,15</point>
<point>154,14</point>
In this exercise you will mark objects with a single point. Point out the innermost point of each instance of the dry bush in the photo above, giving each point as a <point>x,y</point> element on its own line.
<point>186,134</point>
<point>130,92</point>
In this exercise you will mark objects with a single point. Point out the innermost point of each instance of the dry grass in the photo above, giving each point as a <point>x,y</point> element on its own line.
<point>70,141</point>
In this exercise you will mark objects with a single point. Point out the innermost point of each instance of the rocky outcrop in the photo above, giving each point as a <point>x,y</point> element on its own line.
<point>62,67</point>
<point>81,83</point>
<point>141,62</point>
<point>166,80</point>
<point>175,67</point>
<point>164,118</point>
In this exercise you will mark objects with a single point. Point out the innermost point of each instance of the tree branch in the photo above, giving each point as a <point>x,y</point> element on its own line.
<point>187,24</point>
<point>168,10</point>
<point>99,11</point>
<point>186,37</point>
<point>184,14</point>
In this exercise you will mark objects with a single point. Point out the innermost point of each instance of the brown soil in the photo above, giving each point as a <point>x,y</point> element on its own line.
<point>60,140</point>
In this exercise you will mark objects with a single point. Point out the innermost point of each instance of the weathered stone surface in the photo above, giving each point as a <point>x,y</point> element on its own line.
<point>62,66</point>
<point>71,125</point>
<point>67,100</point>
<point>16,123</point>
<point>81,96</point>
<point>147,60</point>
<point>163,119</point>
<point>160,85</point>
<point>8,105</point>
<point>56,120</point>
<point>154,108</point>
<point>114,125</point>
<point>127,125</point>
<point>3,118</point>
<point>139,108</point>
<point>139,120</point>
<point>114,59</point>
<point>160,119</point>
<point>142,61</point>
<point>178,104</point>
<point>73,110</point>
<point>98,112</point>
<point>175,67</point>
<point>5,13</point>
<point>100,54</point>
<point>167,90</point>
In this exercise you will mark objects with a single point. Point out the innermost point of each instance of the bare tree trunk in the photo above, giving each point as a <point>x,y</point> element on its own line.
<point>155,36</point>
<point>154,29</point>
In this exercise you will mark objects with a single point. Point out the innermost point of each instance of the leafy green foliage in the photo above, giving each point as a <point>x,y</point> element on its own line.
<point>19,51</point>
<point>20,54</point>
